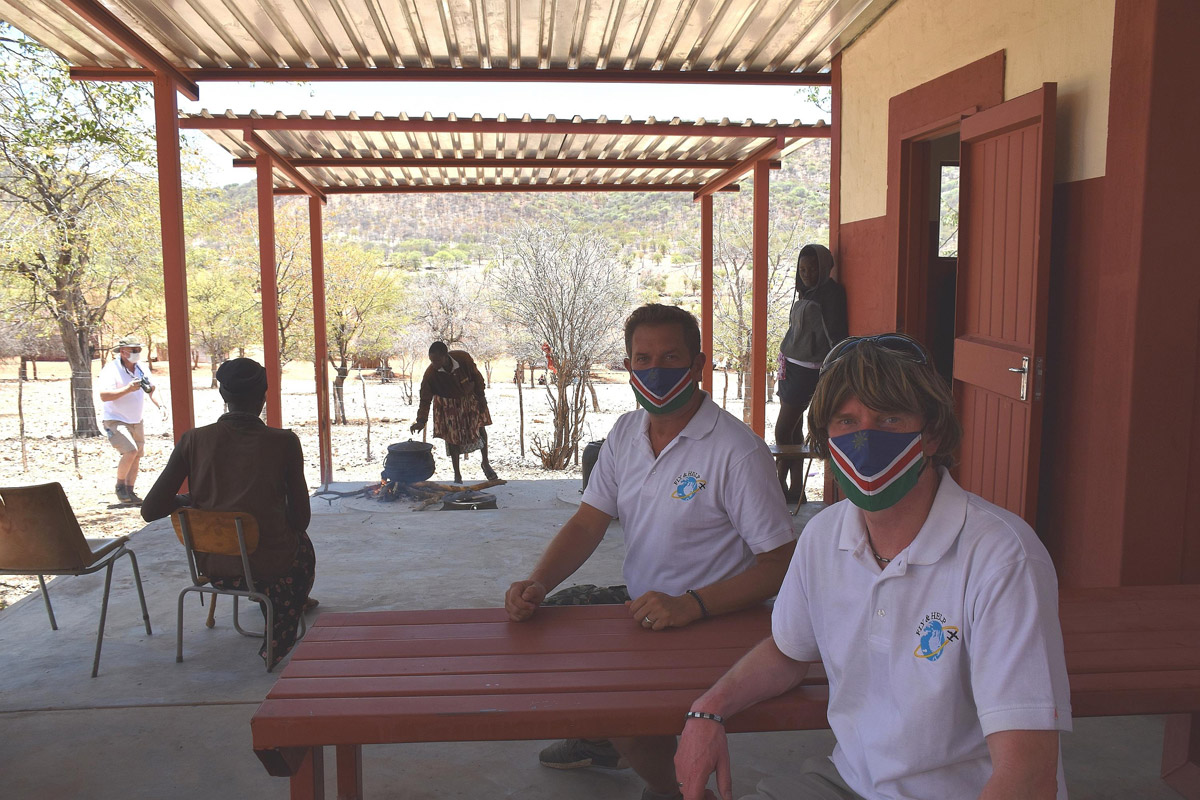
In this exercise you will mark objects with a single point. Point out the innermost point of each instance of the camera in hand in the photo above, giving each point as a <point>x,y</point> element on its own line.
<point>145,383</point>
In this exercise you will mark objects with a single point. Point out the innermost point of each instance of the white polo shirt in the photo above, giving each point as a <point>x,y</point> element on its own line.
<point>700,511</point>
<point>957,638</point>
<point>114,377</point>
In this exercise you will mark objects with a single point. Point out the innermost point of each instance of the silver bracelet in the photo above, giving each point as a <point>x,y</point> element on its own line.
<point>717,718</point>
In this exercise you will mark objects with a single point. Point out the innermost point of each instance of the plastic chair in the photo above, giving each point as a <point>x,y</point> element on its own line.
<point>39,535</point>
<point>225,533</point>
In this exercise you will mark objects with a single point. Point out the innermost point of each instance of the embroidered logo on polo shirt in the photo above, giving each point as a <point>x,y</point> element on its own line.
<point>934,636</point>
<point>688,485</point>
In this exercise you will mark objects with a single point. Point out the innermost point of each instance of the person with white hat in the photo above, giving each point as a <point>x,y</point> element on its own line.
<point>124,388</point>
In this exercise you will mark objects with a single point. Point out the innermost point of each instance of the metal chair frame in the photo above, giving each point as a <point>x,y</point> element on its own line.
<point>105,557</point>
<point>202,585</point>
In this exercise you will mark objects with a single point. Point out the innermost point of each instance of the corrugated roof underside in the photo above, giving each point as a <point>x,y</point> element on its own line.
<point>533,156</point>
<point>671,35</point>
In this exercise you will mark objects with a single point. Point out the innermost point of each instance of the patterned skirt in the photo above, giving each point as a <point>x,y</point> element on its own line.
<point>459,421</point>
<point>288,594</point>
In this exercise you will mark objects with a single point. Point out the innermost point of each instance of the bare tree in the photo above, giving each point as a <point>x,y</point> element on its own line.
<point>733,269</point>
<point>487,342</point>
<point>409,350</point>
<point>450,305</point>
<point>568,290</point>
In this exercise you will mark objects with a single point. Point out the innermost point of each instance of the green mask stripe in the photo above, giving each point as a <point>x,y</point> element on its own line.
<point>679,402</point>
<point>885,499</point>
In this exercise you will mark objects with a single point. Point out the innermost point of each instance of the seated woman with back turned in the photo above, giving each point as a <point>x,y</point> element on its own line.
<point>239,464</point>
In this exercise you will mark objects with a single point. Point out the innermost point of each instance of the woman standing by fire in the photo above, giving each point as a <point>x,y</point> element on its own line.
<point>460,411</point>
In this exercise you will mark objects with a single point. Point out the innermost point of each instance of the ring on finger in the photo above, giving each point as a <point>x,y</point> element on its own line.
<point>648,620</point>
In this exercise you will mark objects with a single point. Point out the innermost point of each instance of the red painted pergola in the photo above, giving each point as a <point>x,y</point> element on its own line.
<point>179,46</point>
<point>324,155</point>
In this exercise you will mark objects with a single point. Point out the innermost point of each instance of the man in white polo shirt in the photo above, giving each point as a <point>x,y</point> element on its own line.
<point>706,525</point>
<point>124,388</point>
<point>934,612</point>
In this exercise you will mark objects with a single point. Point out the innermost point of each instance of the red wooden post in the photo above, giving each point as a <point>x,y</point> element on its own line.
<point>309,781</point>
<point>270,302</point>
<point>170,211</point>
<point>706,288</point>
<point>349,772</point>
<point>320,349</point>
<point>830,494</point>
<point>758,324</point>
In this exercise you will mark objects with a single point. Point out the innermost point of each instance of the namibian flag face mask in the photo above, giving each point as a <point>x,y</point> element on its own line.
<point>876,468</point>
<point>661,390</point>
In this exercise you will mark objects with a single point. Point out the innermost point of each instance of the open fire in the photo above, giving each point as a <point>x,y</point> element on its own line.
<point>426,493</point>
<point>389,491</point>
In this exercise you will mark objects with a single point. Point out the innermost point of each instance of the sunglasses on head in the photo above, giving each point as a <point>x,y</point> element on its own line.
<point>900,345</point>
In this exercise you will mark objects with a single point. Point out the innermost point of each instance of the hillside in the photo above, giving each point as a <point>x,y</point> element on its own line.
<point>417,231</point>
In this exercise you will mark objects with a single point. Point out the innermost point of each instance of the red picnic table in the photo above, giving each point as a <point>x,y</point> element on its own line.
<point>590,671</point>
<point>471,675</point>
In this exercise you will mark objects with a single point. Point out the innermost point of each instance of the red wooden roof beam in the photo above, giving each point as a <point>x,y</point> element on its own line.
<point>767,151</point>
<point>474,75</point>
<point>506,187</point>
<point>108,24</point>
<point>303,183</point>
<point>333,162</point>
<point>442,125</point>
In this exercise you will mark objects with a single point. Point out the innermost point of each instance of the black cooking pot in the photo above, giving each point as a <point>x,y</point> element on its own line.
<point>408,462</point>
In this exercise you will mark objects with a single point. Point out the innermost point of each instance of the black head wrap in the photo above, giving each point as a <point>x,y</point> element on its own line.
<point>242,379</point>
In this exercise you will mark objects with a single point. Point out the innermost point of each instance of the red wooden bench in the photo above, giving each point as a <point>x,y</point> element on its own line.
<point>588,671</point>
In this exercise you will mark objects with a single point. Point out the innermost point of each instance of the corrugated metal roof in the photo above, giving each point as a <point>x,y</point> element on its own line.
<point>377,153</point>
<point>722,36</point>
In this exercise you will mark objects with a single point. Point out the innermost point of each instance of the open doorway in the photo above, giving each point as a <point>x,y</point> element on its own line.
<point>942,247</point>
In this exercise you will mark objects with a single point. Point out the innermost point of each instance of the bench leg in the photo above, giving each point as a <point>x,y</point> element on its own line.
<point>1181,754</point>
<point>308,782</point>
<point>349,772</point>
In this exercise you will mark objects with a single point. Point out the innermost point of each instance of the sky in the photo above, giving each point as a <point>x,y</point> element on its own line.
<point>759,103</point>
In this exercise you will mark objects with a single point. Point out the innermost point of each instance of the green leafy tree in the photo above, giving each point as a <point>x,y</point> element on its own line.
<point>362,298</point>
<point>293,272</point>
<point>67,151</point>
<point>223,311</point>
<point>127,239</point>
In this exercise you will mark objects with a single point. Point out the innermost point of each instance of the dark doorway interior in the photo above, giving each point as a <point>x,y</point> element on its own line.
<point>942,247</point>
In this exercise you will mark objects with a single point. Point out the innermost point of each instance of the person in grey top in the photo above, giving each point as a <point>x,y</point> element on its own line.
<point>816,322</point>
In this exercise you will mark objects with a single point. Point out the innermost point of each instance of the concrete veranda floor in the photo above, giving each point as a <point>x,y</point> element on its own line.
<point>148,727</point>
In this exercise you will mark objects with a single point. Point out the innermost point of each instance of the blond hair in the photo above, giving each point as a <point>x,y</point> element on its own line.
<point>885,381</point>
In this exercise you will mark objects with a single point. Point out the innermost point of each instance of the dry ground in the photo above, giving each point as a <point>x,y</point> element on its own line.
<point>87,467</point>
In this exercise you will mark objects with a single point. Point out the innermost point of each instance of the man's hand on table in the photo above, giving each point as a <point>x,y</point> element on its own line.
<point>658,611</point>
<point>523,598</point>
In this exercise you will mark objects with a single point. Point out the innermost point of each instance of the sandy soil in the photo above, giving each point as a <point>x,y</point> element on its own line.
<point>87,467</point>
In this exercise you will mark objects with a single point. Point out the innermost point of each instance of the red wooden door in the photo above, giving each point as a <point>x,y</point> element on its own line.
<point>1007,161</point>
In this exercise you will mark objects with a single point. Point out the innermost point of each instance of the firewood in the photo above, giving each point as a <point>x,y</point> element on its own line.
<point>445,490</point>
